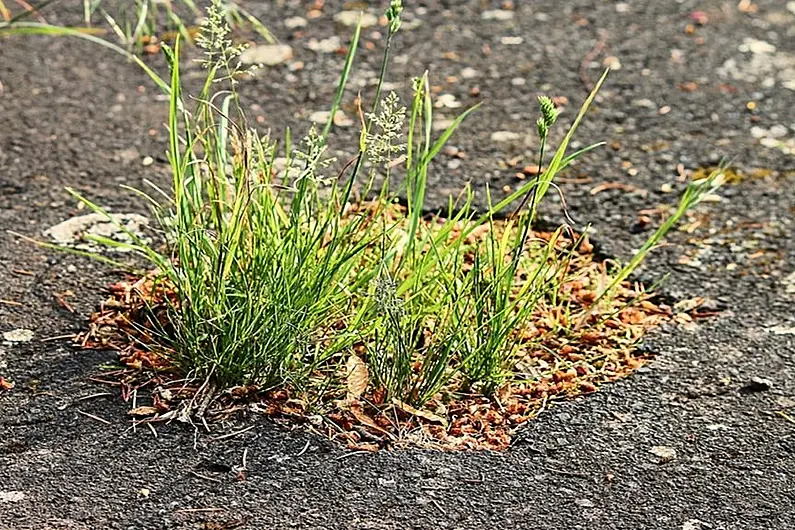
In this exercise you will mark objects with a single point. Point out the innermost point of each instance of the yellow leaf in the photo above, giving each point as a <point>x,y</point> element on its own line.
<point>5,384</point>
<point>143,411</point>
<point>357,377</point>
<point>424,414</point>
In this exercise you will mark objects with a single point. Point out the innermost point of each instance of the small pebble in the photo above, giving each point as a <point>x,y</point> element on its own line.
<point>295,22</point>
<point>329,45</point>
<point>664,453</point>
<point>351,18</point>
<point>612,62</point>
<point>447,101</point>
<point>756,46</point>
<point>18,335</point>
<point>267,54</point>
<point>11,496</point>
<point>497,14</point>
<point>469,73</point>
<point>505,136</point>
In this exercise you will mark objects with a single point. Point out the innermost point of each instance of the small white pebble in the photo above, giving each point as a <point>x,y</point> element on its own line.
<point>511,41</point>
<point>497,14</point>
<point>778,131</point>
<point>447,101</point>
<point>18,335</point>
<point>758,132</point>
<point>352,18</point>
<point>649,104</point>
<point>612,62</point>
<point>505,136</point>
<point>665,454</point>
<point>756,46</point>
<point>469,73</point>
<point>295,22</point>
<point>11,496</point>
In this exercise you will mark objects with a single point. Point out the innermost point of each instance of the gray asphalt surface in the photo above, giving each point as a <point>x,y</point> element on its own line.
<point>73,114</point>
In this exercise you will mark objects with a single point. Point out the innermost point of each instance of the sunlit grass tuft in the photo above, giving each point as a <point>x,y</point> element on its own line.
<point>278,277</point>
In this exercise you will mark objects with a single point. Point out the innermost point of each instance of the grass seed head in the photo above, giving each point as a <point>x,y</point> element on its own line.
<point>393,15</point>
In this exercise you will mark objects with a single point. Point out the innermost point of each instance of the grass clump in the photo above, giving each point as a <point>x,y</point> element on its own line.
<point>309,285</point>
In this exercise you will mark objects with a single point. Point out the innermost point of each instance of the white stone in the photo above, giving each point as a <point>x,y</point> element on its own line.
<point>778,131</point>
<point>664,453</point>
<point>295,22</point>
<point>511,41</point>
<point>351,18</point>
<point>505,136</point>
<point>649,104</point>
<point>469,73</point>
<point>321,117</point>
<point>758,132</point>
<point>440,124</point>
<point>612,62</point>
<point>789,282</point>
<point>11,496</point>
<point>18,335</point>
<point>329,45</point>
<point>267,54</point>
<point>447,101</point>
<point>764,69</point>
<point>72,230</point>
<point>756,46</point>
<point>497,14</point>
<point>782,330</point>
